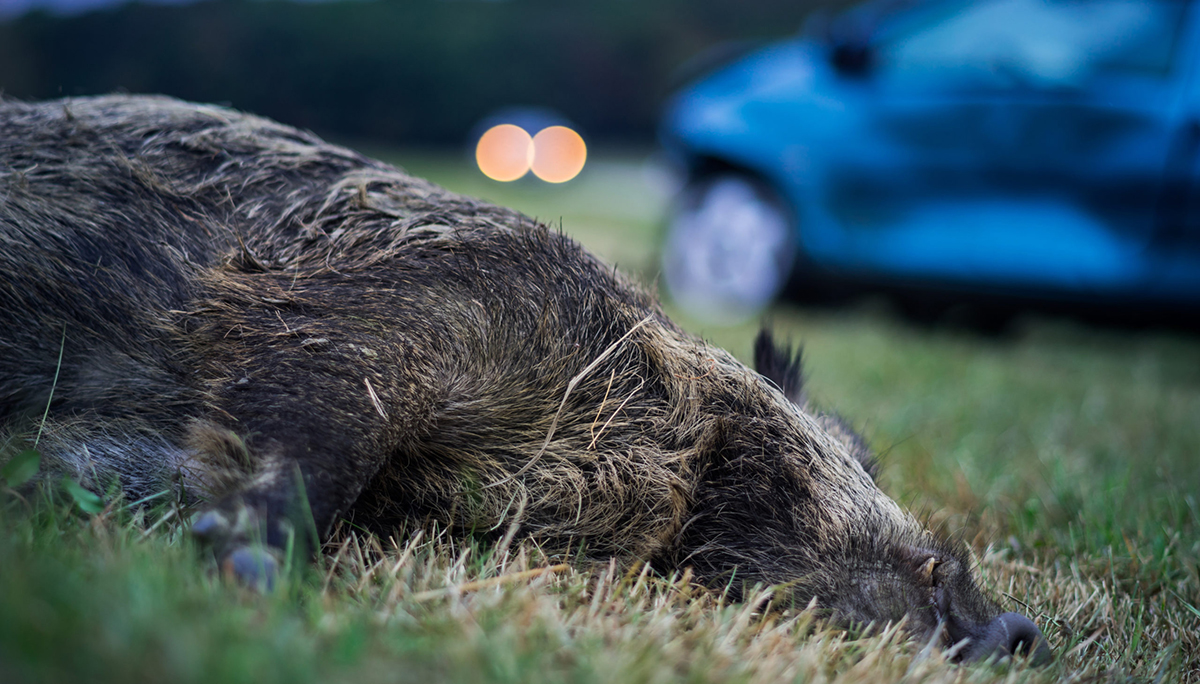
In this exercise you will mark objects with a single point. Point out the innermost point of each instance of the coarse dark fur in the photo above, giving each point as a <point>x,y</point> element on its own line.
<point>291,333</point>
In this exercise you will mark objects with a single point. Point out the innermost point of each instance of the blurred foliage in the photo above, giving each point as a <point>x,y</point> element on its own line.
<point>402,71</point>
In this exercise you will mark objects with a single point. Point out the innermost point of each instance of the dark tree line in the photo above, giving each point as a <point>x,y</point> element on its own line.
<point>403,71</point>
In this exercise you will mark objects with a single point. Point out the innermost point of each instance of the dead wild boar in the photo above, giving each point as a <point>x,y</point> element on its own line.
<point>290,333</point>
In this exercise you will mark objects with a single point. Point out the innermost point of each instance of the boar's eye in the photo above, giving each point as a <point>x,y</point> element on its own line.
<point>932,572</point>
<point>925,565</point>
<point>937,572</point>
<point>926,572</point>
<point>939,597</point>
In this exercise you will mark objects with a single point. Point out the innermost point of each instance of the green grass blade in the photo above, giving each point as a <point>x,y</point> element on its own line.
<point>21,468</point>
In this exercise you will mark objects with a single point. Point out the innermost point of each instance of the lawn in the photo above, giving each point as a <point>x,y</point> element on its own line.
<point>1068,457</point>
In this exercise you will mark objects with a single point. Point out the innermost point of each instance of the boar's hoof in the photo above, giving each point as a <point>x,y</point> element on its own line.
<point>1012,634</point>
<point>210,527</point>
<point>249,563</point>
<point>253,566</point>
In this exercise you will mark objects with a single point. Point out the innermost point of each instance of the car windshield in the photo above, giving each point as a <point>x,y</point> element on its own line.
<point>1036,42</point>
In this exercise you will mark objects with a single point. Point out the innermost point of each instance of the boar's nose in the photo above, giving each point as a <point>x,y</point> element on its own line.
<point>1012,634</point>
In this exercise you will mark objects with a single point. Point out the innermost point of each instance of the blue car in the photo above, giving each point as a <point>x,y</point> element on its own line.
<point>1027,149</point>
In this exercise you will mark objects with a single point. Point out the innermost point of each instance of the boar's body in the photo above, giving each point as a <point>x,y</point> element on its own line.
<point>291,332</point>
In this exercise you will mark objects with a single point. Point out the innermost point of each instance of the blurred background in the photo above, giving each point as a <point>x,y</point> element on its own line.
<point>970,160</point>
<point>401,72</point>
<point>418,82</point>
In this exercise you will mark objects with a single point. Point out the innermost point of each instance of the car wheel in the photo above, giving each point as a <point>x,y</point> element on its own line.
<point>729,248</point>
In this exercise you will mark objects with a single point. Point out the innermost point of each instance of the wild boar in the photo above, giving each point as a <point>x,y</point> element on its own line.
<point>289,333</point>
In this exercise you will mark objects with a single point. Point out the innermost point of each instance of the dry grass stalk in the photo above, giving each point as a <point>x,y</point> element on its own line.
<point>489,582</point>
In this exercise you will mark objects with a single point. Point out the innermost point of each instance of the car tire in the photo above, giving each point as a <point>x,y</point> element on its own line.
<point>730,248</point>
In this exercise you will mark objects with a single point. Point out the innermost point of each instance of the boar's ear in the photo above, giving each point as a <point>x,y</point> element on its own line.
<point>780,365</point>
<point>783,366</point>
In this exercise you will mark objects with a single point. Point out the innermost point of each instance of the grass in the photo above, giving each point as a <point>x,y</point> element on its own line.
<point>1068,457</point>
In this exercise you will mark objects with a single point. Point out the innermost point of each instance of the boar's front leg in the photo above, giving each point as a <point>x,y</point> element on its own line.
<point>303,475</point>
<point>321,396</point>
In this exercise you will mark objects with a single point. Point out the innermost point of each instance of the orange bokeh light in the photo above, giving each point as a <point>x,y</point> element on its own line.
<point>558,154</point>
<point>505,152</point>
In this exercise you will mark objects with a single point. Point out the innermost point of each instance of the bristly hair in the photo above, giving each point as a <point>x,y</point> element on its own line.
<point>781,365</point>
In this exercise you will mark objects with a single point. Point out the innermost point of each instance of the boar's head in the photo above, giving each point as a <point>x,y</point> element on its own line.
<point>831,534</point>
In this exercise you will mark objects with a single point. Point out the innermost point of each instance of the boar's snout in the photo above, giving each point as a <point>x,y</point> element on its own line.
<point>1011,634</point>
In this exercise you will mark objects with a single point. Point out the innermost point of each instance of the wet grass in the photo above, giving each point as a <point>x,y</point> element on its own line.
<point>1067,456</point>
